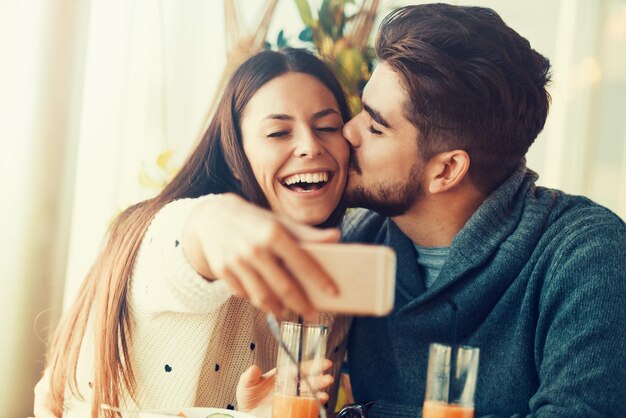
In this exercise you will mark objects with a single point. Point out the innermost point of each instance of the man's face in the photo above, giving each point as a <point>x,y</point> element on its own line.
<point>386,169</point>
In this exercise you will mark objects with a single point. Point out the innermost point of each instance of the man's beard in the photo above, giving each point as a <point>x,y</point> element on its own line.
<point>387,199</point>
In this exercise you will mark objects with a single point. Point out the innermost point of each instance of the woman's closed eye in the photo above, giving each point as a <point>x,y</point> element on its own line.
<point>278,134</point>
<point>328,128</point>
<point>285,133</point>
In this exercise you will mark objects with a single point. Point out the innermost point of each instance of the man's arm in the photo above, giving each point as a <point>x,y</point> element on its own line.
<point>581,337</point>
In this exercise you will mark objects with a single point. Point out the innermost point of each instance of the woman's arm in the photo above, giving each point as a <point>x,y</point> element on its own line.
<point>255,252</point>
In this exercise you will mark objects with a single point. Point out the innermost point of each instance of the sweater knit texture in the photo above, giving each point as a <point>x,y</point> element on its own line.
<point>539,278</point>
<point>191,338</point>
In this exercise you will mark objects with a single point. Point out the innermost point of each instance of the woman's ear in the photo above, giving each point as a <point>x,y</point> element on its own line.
<point>447,170</point>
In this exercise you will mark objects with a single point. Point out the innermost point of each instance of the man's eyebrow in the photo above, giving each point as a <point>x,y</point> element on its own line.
<point>325,112</point>
<point>279,116</point>
<point>376,116</point>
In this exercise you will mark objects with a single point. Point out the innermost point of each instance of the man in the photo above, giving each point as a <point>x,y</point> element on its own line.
<point>537,277</point>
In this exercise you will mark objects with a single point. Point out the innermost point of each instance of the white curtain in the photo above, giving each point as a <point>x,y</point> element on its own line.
<point>40,72</point>
<point>150,70</point>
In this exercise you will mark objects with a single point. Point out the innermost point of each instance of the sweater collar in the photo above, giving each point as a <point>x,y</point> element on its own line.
<point>497,218</point>
<point>494,222</point>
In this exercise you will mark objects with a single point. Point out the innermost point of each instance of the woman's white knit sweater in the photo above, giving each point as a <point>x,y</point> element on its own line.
<point>191,338</point>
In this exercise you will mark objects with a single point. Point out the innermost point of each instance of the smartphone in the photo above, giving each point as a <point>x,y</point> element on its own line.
<point>365,275</point>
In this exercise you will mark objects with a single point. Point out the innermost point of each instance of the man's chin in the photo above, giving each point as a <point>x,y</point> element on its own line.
<point>358,197</point>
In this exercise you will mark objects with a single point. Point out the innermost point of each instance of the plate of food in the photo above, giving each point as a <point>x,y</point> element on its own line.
<point>197,413</point>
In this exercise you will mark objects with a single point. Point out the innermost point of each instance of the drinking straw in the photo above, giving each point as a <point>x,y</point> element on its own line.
<point>453,344</point>
<point>300,336</point>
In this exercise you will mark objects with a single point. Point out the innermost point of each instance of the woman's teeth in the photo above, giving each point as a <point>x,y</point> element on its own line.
<point>306,178</point>
<point>306,182</point>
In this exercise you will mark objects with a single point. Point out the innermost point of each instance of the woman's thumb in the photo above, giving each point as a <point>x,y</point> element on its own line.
<point>250,377</point>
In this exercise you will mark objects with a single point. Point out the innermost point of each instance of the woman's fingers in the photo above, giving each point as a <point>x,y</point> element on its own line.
<point>325,381</point>
<point>254,388</point>
<point>250,377</point>
<point>258,291</point>
<point>302,265</point>
<point>320,382</point>
<point>323,397</point>
<point>313,367</point>
<point>233,282</point>
<point>257,253</point>
<point>286,288</point>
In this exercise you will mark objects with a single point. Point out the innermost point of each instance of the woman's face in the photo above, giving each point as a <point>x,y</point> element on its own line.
<point>292,137</point>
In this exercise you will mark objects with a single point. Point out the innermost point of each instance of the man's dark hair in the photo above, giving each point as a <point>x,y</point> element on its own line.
<point>473,83</point>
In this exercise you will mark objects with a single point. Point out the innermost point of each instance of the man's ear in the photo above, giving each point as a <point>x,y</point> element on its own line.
<point>447,170</point>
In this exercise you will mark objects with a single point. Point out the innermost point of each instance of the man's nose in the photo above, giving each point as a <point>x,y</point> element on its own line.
<point>351,132</point>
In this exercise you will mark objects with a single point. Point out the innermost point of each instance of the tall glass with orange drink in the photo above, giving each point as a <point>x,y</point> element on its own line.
<point>450,382</point>
<point>299,368</point>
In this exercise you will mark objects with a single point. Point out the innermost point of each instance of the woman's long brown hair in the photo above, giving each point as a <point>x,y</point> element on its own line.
<point>211,168</point>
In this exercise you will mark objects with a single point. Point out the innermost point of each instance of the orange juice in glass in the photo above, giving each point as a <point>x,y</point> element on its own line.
<point>450,382</point>
<point>294,406</point>
<point>298,369</point>
<point>434,409</point>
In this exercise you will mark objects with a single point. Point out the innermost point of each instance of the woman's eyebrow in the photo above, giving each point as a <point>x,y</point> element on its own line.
<point>325,112</point>
<point>316,115</point>
<point>279,116</point>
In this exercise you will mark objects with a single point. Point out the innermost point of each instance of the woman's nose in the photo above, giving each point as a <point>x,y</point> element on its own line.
<point>308,145</point>
<point>351,132</point>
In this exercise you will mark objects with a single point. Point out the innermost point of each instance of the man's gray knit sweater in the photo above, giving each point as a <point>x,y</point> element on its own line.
<point>539,278</point>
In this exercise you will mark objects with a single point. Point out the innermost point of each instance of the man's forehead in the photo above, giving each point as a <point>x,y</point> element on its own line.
<point>384,93</point>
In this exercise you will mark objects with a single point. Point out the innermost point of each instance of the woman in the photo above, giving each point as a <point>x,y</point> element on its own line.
<point>152,326</point>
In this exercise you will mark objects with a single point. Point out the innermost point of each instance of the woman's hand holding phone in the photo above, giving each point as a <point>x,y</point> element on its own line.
<point>257,253</point>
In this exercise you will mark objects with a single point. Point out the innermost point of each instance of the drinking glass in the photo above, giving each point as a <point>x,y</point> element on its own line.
<point>299,368</point>
<point>450,381</point>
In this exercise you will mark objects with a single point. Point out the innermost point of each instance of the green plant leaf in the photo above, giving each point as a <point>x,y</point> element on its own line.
<point>326,17</point>
<point>281,41</point>
<point>306,35</point>
<point>332,18</point>
<point>305,12</point>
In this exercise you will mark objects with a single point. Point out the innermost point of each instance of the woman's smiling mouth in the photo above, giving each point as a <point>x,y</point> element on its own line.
<point>307,182</point>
